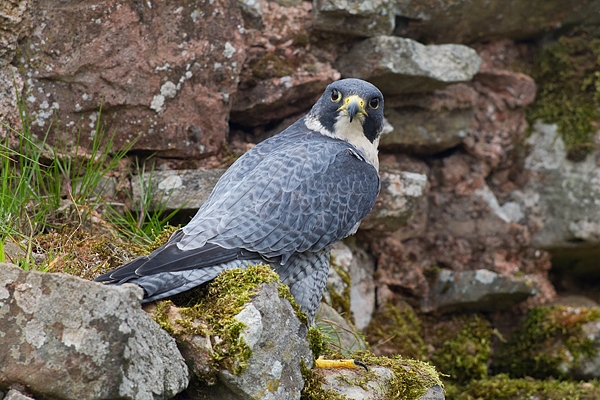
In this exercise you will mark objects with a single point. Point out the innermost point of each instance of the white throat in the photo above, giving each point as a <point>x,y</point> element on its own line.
<point>351,132</point>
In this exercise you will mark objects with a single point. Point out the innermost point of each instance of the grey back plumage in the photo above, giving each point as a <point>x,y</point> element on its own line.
<point>299,191</point>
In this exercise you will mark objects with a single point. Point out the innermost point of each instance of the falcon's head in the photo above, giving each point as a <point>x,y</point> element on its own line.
<point>350,110</point>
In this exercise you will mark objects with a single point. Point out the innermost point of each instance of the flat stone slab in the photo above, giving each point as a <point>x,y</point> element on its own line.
<point>479,290</point>
<point>426,132</point>
<point>399,65</point>
<point>364,18</point>
<point>180,189</point>
<point>399,198</point>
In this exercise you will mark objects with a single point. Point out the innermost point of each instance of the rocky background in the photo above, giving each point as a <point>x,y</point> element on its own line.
<point>488,222</point>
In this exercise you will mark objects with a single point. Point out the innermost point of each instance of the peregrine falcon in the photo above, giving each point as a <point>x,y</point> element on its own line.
<point>285,202</point>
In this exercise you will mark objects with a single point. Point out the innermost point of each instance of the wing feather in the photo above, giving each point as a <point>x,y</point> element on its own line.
<point>298,191</point>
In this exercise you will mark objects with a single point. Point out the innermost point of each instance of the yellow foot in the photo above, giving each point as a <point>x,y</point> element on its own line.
<point>323,363</point>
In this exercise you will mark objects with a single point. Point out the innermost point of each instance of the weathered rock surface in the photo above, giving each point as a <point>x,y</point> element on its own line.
<point>428,123</point>
<point>398,65</point>
<point>353,383</point>
<point>441,21</point>
<point>480,290</point>
<point>426,132</point>
<point>373,389</point>
<point>15,395</point>
<point>338,331</point>
<point>281,76</point>
<point>14,24</point>
<point>278,343</point>
<point>358,266</point>
<point>561,198</point>
<point>162,72</point>
<point>10,84</point>
<point>178,189</point>
<point>401,195</point>
<point>281,97</point>
<point>68,338</point>
<point>364,18</point>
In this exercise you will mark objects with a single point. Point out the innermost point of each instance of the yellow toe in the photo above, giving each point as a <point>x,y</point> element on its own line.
<point>354,364</point>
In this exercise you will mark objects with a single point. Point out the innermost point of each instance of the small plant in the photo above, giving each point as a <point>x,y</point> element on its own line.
<point>147,217</point>
<point>29,187</point>
<point>62,188</point>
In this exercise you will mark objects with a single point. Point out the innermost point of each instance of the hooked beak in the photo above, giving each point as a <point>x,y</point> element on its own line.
<point>353,106</point>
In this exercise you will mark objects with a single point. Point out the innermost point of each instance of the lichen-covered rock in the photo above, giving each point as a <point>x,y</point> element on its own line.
<point>14,24</point>
<point>242,334</point>
<point>350,285</point>
<point>184,190</point>
<point>559,342</point>
<point>402,193</point>
<point>426,132</point>
<point>560,197</point>
<point>398,65</point>
<point>15,395</point>
<point>163,72</point>
<point>11,84</point>
<point>479,290</point>
<point>68,338</point>
<point>278,342</point>
<point>364,18</point>
<point>279,97</point>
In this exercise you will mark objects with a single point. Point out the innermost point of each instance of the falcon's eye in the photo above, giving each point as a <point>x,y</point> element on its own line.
<point>336,95</point>
<point>374,103</point>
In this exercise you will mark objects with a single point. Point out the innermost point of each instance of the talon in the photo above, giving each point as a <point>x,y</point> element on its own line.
<point>353,364</point>
<point>361,364</point>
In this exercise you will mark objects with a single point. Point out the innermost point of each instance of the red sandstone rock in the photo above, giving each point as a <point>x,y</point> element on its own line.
<point>281,76</point>
<point>162,71</point>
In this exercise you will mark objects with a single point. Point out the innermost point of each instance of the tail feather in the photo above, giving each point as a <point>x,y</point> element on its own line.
<point>169,258</point>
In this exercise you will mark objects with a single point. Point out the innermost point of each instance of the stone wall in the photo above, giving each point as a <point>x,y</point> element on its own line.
<point>477,199</point>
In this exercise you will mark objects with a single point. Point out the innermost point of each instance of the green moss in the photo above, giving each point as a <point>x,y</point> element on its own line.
<point>80,252</point>
<point>568,80</point>
<point>313,386</point>
<point>316,341</point>
<point>396,329</point>
<point>411,378</point>
<point>502,387</point>
<point>549,343</point>
<point>213,316</point>
<point>162,238</point>
<point>341,301</point>
<point>462,347</point>
<point>284,293</point>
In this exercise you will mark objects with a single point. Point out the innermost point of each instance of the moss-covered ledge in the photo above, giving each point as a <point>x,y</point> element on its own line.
<point>387,378</point>
<point>207,325</point>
